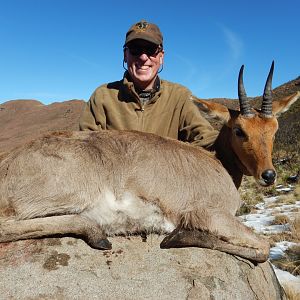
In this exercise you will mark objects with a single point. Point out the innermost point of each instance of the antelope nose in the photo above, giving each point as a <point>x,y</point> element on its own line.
<point>269,176</point>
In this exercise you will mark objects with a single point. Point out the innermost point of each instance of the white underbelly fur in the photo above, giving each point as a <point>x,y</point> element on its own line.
<point>127,214</point>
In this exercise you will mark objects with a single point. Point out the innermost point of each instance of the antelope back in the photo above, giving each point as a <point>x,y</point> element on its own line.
<point>69,171</point>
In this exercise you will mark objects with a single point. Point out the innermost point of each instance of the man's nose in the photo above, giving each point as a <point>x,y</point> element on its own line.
<point>143,57</point>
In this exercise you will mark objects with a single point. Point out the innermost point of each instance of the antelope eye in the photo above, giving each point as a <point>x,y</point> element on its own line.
<point>239,132</point>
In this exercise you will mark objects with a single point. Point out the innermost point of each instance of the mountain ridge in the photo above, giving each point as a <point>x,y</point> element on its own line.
<point>22,120</point>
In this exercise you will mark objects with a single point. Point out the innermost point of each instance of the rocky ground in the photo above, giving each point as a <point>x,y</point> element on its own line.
<point>274,218</point>
<point>67,268</point>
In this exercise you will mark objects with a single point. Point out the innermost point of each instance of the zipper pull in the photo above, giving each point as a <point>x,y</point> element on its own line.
<point>140,109</point>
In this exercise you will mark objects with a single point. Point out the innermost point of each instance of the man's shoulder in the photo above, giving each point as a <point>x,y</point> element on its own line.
<point>176,91</point>
<point>174,86</point>
<point>110,85</point>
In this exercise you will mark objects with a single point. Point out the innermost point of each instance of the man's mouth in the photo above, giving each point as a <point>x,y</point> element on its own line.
<point>143,67</point>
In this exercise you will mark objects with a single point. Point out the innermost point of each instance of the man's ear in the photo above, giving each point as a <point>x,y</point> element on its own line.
<point>161,57</point>
<point>125,58</point>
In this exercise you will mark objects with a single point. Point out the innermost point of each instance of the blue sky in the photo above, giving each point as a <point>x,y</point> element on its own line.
<point>57,50</point>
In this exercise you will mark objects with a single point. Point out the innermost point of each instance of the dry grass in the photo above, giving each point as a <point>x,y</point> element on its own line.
<point>287,162</point>
<point>281,219</point>
<point>290,262</point>
<point>295,227</point>
<point>250,195</point>
<point>287,198</point>
<point>280,237</point>
<point>297,192</point>
<point>292,236</point>
<point>244,209</point>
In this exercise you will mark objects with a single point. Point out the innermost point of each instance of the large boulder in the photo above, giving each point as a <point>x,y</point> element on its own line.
<point>67,268</point>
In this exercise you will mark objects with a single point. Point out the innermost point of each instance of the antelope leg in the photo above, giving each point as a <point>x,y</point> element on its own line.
<point>13,230</point>
<point>195,238</point>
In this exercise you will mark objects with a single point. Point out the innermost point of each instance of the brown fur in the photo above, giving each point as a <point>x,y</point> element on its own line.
<point>69,183</point>
<point>252,154</point>
<point>110,182</point>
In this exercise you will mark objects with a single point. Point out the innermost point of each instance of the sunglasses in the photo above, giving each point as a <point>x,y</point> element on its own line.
<point>148,50</point>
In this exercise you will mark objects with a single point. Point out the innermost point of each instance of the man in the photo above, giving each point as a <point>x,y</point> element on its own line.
<point>144,102</point>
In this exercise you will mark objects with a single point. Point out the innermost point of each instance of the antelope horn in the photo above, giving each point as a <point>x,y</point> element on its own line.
<point>245,108</point>
<point>266,106</point>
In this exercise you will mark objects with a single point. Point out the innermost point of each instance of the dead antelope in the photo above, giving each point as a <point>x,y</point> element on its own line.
<point>95,184</point>
<point>98,184</point>
<point>245,143</point>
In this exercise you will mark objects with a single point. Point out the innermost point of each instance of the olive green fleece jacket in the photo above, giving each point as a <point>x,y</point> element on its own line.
<point>170,113</point>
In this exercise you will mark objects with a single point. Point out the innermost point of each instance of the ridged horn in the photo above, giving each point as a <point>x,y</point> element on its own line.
<point>266,106</point>
<point>245,108</point>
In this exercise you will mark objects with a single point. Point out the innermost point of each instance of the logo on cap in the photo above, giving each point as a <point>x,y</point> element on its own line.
<point>141,26</point>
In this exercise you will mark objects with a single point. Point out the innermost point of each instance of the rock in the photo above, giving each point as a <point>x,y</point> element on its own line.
<point>67,268</point>
<point>294,178</point>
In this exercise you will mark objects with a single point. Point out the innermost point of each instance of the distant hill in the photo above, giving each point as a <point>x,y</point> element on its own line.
<point>288,135</point>
<point>23,120</point>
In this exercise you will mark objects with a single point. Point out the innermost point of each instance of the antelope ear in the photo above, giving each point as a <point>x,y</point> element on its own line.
<point>213,109</point>
<point>283,105</point>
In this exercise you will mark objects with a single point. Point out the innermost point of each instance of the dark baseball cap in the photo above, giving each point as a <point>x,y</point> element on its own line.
<point>145,31</point>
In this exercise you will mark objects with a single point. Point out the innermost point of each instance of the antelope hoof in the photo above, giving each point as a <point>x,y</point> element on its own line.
<point>263,253</point>
<point>174,240</point>
<point>103,244</point>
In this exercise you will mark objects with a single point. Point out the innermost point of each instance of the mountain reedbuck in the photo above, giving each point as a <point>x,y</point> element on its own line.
<point>244,145</point>
<point>97,184</point>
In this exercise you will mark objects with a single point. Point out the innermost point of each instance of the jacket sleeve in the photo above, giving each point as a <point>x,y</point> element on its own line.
<point>92,115</point>
<point>194,128</point>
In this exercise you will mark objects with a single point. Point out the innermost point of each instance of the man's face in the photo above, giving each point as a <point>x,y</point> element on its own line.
<point>143,62</point>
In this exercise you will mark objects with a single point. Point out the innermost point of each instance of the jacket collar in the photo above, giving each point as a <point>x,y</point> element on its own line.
<point>129,88</point>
